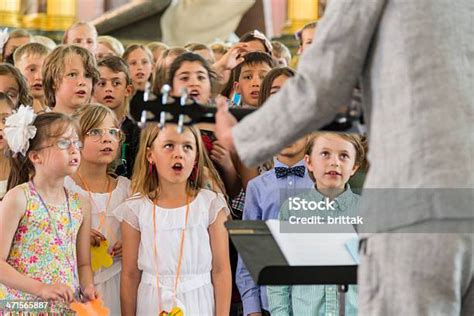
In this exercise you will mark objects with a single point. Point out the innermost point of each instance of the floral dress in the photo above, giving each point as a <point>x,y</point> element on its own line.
<point>44,247</point>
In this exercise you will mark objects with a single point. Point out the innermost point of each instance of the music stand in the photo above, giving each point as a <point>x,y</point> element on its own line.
<point>268,266</point>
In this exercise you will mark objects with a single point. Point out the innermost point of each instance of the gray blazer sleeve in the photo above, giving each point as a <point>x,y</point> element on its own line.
<point>327,73</point>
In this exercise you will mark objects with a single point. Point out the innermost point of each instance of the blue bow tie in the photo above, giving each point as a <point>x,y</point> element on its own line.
<point>283,172</point>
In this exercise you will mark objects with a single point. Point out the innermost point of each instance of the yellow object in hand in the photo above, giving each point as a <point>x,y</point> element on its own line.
<point>175,311</point>
<point>100,256</point>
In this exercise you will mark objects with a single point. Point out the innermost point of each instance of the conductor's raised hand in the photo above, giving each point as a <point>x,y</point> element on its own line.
<point>224,123</point>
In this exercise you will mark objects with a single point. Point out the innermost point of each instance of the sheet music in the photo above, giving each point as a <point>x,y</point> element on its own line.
<point>313,249</point>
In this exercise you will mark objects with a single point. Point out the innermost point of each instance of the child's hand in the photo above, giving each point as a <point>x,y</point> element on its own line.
<point>96,238</point>
<point>234,56</point>
<point>116,249</point>
<point>90,293</point>
<point>221,156</point>
<point>56,291</point>
<point>224,123</point>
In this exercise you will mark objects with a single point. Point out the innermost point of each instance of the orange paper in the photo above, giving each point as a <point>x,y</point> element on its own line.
<point>92,308</point>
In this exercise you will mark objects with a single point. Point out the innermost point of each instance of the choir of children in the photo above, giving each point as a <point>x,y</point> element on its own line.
<point>98,208</point>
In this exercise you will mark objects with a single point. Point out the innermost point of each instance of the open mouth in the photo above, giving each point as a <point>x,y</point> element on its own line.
<point>74,162</point>
<point>255,94</point>
<point>177,166</point>
<point>140,75</point>
<point>109,98</point>
<point>194,94</point>
<point>107,150</point>
<point>37,86</point>
<point>333,173</point>
<point>81,93</point>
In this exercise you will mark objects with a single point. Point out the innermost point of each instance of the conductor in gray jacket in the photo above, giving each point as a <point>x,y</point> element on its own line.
<point>415,59</point>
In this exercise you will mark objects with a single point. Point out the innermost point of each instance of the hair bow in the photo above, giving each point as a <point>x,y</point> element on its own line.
<point>260,35</point>
<point>19,129</point>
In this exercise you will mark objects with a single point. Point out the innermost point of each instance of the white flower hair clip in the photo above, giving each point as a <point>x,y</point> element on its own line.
<point>19,130</point>
<point>3,38</point>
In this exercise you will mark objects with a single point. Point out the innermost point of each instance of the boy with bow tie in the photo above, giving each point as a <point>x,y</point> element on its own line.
<point>262,202</point>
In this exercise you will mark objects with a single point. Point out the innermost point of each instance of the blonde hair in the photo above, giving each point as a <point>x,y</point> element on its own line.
<point>281,51</point>
<point>154,45</point>
<point>157,46</point>
<point>161,71</point>
<point>354,139</point>
<point>53,69</point>
<point>112,43</point>
<point>30,49</point>
<point>134,47</point>
<point>79,23</point>
<point>219,48</point>
<point>146,183</point>
<point>91,116</point>
<point>46,41</point>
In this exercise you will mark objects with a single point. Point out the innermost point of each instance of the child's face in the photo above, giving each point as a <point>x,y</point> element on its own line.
<point>140,66</point>
<point>103,51</point>
<point>102,149</point>
<point>31,67</point>
<point>277,84</point>
<point>250,80</point>
<point>10,87</point>
<point>173,154</point>
<point>5,111</point>
<point>306,39</point>
<point>195,78</point>
<point>74,89</point>
<point>112,88</point>
<point>57,161</point>
<point>14,43</point>
<point>83,36</point>
<point>332,161</point>
<point>256,46</point>
<point>281,61</point>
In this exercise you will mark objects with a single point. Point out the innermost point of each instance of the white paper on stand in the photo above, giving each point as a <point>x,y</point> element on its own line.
<point>313,249</point>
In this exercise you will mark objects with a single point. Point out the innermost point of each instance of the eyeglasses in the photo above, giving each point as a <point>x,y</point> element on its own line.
<point>96,134</point>
<point>65,143</point>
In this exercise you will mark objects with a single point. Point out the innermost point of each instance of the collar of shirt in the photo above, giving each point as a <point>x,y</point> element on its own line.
<point>344,201</point>
<point>278,163</point>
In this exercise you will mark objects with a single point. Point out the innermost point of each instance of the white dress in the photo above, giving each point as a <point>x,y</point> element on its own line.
<point>195,293</point>
<point>106,280</point>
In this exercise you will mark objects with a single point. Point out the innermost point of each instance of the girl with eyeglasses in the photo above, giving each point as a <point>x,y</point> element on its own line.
<point>99,132</point>
<point>45,228</point>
